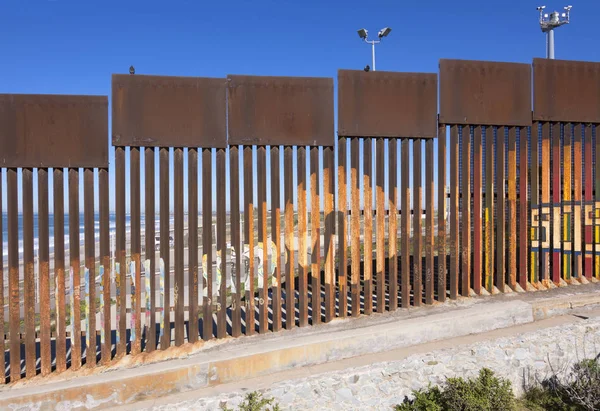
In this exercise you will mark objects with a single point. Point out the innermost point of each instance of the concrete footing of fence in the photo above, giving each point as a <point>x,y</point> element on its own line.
<point>217,362</point>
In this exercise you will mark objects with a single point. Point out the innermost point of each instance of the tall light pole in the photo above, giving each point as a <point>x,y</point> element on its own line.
<point>364,34</point>
<point>548,22</point>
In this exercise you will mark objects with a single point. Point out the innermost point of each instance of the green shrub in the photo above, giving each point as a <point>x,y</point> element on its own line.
<point>484,393</point>
<point>578,390</point>
<point>254,401</point>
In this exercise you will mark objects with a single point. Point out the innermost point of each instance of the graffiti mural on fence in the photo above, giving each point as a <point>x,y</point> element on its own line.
<point>134,314</point>
<point>86,299</point>
<point>102,292</point>
<point>162,298</point>
<point>117,297</point>
<point>147,304</point>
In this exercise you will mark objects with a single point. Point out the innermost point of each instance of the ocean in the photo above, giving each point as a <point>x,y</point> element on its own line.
<point>112,228</point>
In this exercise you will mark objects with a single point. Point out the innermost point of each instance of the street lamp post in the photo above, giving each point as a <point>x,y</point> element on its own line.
<point>364,34</point>
<point>548,22</point>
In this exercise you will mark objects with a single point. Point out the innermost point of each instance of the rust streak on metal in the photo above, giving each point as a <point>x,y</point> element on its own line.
<point>178,240</point>
<point>207,241</point>
<point>74,255</point>
<point>380,223</point>
<point>454,217</point>
<point>193,243</point>
<point>121,308</point>
<point>535,207</point>
<point>466,211</point>
<point>512,208</point>
<point>577,186</point>
<point>276,235</point>
<point>90,264</point>
<point>368,224</point>
<point>328,182</point>
<point>165,247</point>
<point>477,226</point>
<point>44,273</point>
<point>342,228</point>
<point>280,110</point>
<point>523,209</point>
<point>236,241</point>
<point>136,248</point>
<point>59,264</point>
<point>355,225</point>
<point>302,239</point>
<point>28,277</point>
<point>441,243</point>
<point>393,224</point>
<point>405,226</point>
<point>556,200</point>
<point>417,229</point>
<point>290,300</point>
<point>387,104</point>
<point>263,292</point>
<point>250,316</point>
<point>13,275</point>
<point>501,209</point>
<point>221,244</point>
<point>104,204</point>
<point>489,210</point>
<point>545,205</point>
<point>429,194</point>
<point>315,235</point>
<point>588,205</point>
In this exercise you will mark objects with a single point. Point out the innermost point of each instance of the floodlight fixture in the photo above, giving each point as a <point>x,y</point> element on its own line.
<point>384,32</point>
<point>364,35</point>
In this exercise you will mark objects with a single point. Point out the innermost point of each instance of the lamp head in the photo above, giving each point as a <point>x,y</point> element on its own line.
<point>384,32</point>
<point>363,33</point>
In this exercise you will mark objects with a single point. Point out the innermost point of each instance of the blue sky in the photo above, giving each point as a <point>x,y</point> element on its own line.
<point>72,47</point>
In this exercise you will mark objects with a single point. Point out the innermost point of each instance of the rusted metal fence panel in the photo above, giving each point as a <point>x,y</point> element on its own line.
<point>355,230</point>
<point>38,132</point>
<point>524,206</point>
<point>442,229</point>
<point>280,110</point>
<point>53,130</point>
<point>571,104</point>
<point>342,228</point>
<point>466,211</point>
<point>164,111</point>
<point>286,111</point>
<point>556,200</point>
<point>478,172</point>
<point>387,104</point>
<point>368,224</point>
<point>380,223</point>
<point>392,106</point>
<point>475,94</point>
<point>566,91</point>
<point>393,223</point>
<point>521,209</point>
<point>417,245</point>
